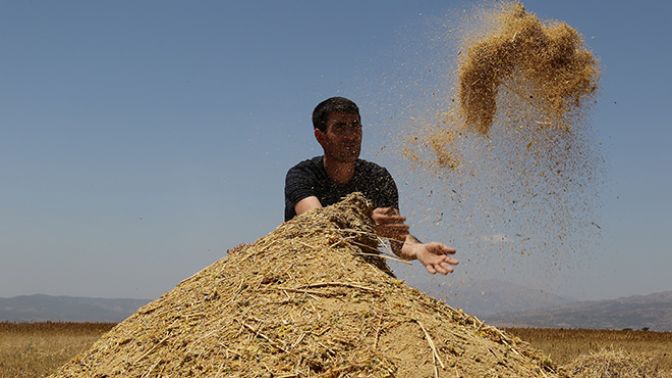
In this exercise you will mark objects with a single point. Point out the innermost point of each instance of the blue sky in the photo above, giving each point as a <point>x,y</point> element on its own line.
<point>140,140</point>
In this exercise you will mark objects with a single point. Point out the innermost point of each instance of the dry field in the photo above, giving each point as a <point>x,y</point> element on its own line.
<point>32,350</point>
<point>564,345</point>
<point>35,349</point>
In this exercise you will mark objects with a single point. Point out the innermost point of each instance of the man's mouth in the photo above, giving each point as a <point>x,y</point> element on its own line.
<point>351,150</point>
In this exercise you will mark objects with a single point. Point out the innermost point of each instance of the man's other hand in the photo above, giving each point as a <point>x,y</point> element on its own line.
<point>436,257</point>
<point>389,223</point>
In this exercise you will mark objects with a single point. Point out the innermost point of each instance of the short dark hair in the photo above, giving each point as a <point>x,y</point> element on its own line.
<point>332,105</point>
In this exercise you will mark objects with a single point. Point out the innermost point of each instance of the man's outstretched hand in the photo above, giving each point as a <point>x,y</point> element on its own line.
<point>436,257</point>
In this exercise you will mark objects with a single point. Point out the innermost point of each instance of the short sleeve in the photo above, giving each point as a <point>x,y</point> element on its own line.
<point>300,183</point>
<point>388,190</point>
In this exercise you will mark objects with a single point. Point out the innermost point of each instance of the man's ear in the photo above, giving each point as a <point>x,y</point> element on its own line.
<point>319,135</point>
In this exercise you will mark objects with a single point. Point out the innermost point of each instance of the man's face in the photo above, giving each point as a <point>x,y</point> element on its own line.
<point>342,140</point>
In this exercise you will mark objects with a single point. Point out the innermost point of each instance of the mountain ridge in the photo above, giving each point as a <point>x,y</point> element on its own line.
<point>488,297</point>
<point>43,307</point>
<point>496,302</point>
<point>649,311</point>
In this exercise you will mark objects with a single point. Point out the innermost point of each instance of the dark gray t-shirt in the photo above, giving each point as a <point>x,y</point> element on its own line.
<point>309,178</point>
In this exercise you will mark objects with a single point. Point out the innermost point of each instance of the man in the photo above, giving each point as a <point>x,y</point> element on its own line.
<point>324,180</point>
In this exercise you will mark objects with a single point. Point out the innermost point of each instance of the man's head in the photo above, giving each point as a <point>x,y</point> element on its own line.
<point>338,129</point>
<point>329,106</point>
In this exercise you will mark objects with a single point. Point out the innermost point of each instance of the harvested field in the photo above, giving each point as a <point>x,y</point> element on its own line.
<point>566,345</point>
<point>305,301</point>
<point>35,349</point>
<point>612,363</point>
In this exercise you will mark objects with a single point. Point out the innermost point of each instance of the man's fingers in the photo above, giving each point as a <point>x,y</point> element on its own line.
<point>448,260</point>
<point>451,260</point>
<point>430,268</point>
<point>383,215</point>
<point>392,230</point>
<point>394,226</point>
<point>442,269</point>
<point>446,249</point>
<point>385,210</point>
<point>440,249</point>
<point>391,219</point>
<point>447,267</point>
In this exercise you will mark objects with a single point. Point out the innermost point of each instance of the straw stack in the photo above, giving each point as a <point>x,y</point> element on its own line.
<point>305,300</point>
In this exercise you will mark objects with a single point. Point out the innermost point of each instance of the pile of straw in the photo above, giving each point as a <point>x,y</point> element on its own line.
<point>305,300</point>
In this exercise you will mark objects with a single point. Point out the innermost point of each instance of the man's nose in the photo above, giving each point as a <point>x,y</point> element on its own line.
<point>351,137</point>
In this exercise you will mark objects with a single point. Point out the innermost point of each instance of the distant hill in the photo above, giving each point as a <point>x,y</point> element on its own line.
<point>481,298</point>
<point>488,297</point>
<point>653,311</point>
<point>39,307</point>
<point>496,302</point>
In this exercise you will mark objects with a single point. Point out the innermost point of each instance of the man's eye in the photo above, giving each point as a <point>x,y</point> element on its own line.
<point>342,128</point>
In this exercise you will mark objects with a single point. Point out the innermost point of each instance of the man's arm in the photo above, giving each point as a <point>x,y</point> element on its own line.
<point>300,189</point>
<point>435,257</point>
<point>306,204</point>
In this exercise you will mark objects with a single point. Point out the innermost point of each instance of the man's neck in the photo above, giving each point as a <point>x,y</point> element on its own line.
<point>339,172</point>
